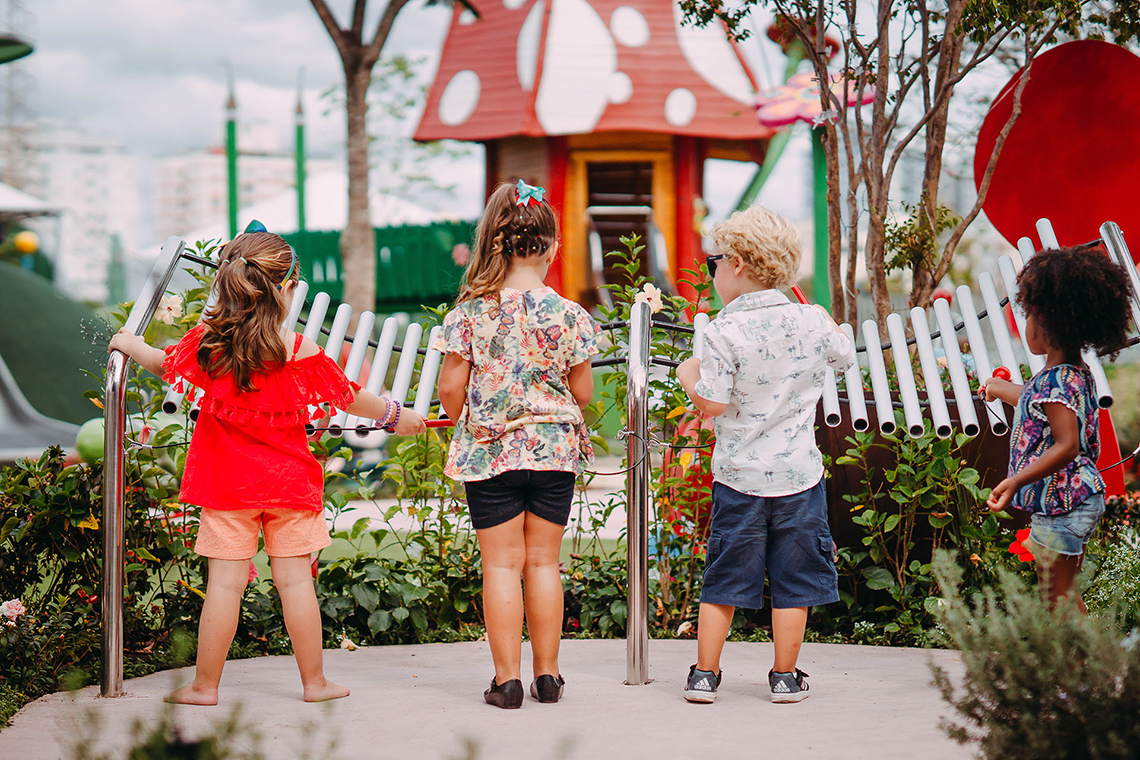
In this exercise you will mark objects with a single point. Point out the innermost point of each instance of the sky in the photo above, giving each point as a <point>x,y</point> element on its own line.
<point>151,75</point>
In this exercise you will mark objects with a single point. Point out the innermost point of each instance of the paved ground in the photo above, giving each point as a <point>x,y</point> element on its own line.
<point>426,702</point>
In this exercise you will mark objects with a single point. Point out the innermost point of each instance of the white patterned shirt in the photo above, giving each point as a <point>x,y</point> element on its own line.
<point>766,358</point>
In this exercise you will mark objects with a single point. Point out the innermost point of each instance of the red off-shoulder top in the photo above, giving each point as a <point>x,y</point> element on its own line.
<point>249,449</point>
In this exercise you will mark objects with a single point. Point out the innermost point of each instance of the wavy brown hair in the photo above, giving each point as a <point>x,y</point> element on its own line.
<point>243,327</point>
<point>506,231</point>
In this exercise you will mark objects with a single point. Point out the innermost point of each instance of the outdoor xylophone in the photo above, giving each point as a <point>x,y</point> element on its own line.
<point>948,334</point>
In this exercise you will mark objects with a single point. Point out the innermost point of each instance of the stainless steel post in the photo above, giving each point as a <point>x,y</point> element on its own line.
<point>1118,252</point>
<point>114,512</point>
<point>637,497</point>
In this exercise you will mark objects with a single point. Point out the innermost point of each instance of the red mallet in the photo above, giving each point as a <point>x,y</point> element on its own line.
<point>1001,373</point>
<point>799,294</point>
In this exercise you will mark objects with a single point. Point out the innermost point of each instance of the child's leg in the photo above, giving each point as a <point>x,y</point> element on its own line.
<point>543,585</point>
<point>1057,578</point>
<point>220,612</point>
<point>503,548</point>
<point>713,623</point>
<point>294,581</point>
<point>788,626</point>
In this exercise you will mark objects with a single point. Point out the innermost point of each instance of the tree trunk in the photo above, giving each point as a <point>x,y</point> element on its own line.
<point>358,242</point>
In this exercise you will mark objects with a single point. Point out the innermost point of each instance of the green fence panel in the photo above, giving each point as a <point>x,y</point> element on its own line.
<point>413,263</point>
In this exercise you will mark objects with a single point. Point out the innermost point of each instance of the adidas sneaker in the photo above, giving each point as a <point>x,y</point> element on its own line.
<point>702,685</point>
<point>788,687</point>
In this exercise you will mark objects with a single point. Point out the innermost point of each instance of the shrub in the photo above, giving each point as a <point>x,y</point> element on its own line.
<point>1038,685</point>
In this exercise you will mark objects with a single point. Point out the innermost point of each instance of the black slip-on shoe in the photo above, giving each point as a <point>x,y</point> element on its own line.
<point>547,688</point>
<point>508,696</point>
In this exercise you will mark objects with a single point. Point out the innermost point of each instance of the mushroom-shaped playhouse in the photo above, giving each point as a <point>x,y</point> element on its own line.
<point>613,106</point>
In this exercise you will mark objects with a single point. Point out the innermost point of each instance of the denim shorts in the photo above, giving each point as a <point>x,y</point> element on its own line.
<point>1067,533</point>
<point>543,493</point>
<point>785,536</point>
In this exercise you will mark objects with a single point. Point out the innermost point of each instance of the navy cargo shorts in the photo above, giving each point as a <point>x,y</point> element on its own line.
<point>785,537</point>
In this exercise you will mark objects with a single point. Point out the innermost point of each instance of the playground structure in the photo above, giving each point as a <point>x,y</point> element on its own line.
<point>637,435</point>
<point>613,108</point>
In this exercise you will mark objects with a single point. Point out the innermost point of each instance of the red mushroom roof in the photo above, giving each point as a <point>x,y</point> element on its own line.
<point>557,67</point>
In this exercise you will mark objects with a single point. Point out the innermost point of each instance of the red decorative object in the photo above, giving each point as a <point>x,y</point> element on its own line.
<point>944,294</point>
<point>1069,158</point>
<point>798,100</point>
<point>1001,373</point>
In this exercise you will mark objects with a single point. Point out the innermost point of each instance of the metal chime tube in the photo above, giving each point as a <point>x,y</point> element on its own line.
<point>880,388</point>
<point>1104,397</point>
<point>853,379</point>
<point>1114,243</point>
<point>981,354</point>
<point>428,372</point>
<point>300,291</point>
<point>1009,279</point>
<point>337,332</point>
<point>354,364</point>
<point>316,316</point>
<point>830,399</point>
<point>1046,234</point>
<point>637,498</point>
<point>700,322</point>
<point>407,365</point>
<point>939,414</point>
<point>378,371</point>
<point>959,383</point>
<point>997,326</point>
<point>912,412</point>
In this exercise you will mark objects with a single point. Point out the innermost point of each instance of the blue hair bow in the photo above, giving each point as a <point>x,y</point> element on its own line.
<point>528,195</point>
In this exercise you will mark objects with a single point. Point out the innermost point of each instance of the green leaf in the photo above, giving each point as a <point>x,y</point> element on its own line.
<point>400,613</point>
<point>878,578</point>
<point>366,596</point>
<point>891,523</point>
<point>378,621</point>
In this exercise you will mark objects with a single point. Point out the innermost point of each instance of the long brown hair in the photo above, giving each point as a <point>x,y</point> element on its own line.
<point>506,230</point>
<point>243,327</point>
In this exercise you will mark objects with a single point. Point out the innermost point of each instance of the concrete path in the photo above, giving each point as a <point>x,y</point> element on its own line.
<point>872,703</point>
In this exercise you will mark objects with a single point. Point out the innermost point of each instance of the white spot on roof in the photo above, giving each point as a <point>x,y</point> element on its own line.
<point>680,107</point>
<point>513,5</point>
<point>581,57</point>
<point>459,98</point>
<point>526,53</point>
<point>629,27</point>
<point>620,87</point>
<point>467,18</point>
<point>711,55</point>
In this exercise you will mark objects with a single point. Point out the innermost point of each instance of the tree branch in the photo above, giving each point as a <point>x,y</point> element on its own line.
<point>383,28</point>
<point>339,38</point>
<point>358,20</point>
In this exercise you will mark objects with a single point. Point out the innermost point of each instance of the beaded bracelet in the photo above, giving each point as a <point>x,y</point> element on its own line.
<point>389,413</point>
<point>391,428</point>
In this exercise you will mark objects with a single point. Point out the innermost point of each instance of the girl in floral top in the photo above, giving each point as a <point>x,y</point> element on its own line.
<point>515,378</point>
<point>249,466</point>
<point>1073,299</point>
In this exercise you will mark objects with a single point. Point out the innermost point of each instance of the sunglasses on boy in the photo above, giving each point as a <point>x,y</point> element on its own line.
<point>710,262</point>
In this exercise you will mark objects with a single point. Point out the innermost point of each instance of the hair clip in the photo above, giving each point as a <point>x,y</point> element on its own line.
<point>528,195</point>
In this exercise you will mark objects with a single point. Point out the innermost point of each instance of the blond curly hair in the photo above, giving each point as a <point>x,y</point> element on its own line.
<point>765,242</point>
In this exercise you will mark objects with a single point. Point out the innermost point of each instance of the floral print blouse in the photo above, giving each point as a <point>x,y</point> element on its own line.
<point>1078,480</point>
<point>520,414</point>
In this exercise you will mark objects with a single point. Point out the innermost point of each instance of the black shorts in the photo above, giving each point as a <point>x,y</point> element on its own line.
<point>545,494</point>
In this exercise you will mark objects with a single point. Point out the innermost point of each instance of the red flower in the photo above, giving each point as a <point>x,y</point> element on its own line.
<point>1018,548</point>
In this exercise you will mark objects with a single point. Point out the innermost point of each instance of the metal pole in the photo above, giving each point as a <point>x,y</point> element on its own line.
<point>1118,252</point>
<point>300,155</point>
<point>637,498</point>
<point>114,460</point>
<point>231,158</point>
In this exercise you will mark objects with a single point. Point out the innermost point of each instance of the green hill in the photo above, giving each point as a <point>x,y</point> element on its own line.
<point>47,340</point>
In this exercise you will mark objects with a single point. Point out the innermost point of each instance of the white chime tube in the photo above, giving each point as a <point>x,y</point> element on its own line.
<point>1046,234</point>
<point>354,364</point>
<point>853,379</point>
<point>316,316</point>
<point>700,322</point>
<point>300,290</point>
<point>830,399</point>
<point>428,372</point>
<point>981,354</point>
<point>959,383</point>
<point>939,414</point>
<point>908,393</point>
<point>1009,279</point>
<point>880,388</point>
<point>997,327</point>
<point>378,372</point>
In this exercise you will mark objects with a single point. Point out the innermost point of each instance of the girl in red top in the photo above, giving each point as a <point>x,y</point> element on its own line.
<point>249,466</point>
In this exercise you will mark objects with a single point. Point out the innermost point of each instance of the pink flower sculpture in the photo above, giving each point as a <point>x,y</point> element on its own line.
<point>12,609</point>
<point>798,100</point>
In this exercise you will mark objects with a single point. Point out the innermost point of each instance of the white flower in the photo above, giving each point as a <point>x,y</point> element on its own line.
<point>347,643</point>
<point>650,295</point>
<point>12,609</point>
<point>169,309</point>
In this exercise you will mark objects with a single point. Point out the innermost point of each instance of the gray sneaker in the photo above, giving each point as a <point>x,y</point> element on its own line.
<point>702,685</point>
<point>788,687</point>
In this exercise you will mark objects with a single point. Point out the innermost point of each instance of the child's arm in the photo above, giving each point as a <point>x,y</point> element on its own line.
<point>370,406</point>
<point>1066,446</point>
<point>1000,389</point>
<point>689,374</point>
<point>581,382</point>
<point>453,377</point>
<point>149,357</point>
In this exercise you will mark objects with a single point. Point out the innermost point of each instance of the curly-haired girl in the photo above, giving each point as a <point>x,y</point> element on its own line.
<point>1073,299</point>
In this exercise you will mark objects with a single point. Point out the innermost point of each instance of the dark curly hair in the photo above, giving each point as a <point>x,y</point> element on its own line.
<point>1080,298</point>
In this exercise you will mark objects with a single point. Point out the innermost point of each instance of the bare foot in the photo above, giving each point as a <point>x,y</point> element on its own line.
<point>192,694</point>
<point>324,690</point>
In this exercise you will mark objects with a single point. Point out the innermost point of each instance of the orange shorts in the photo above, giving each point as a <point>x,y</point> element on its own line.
<point>232,533</point>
